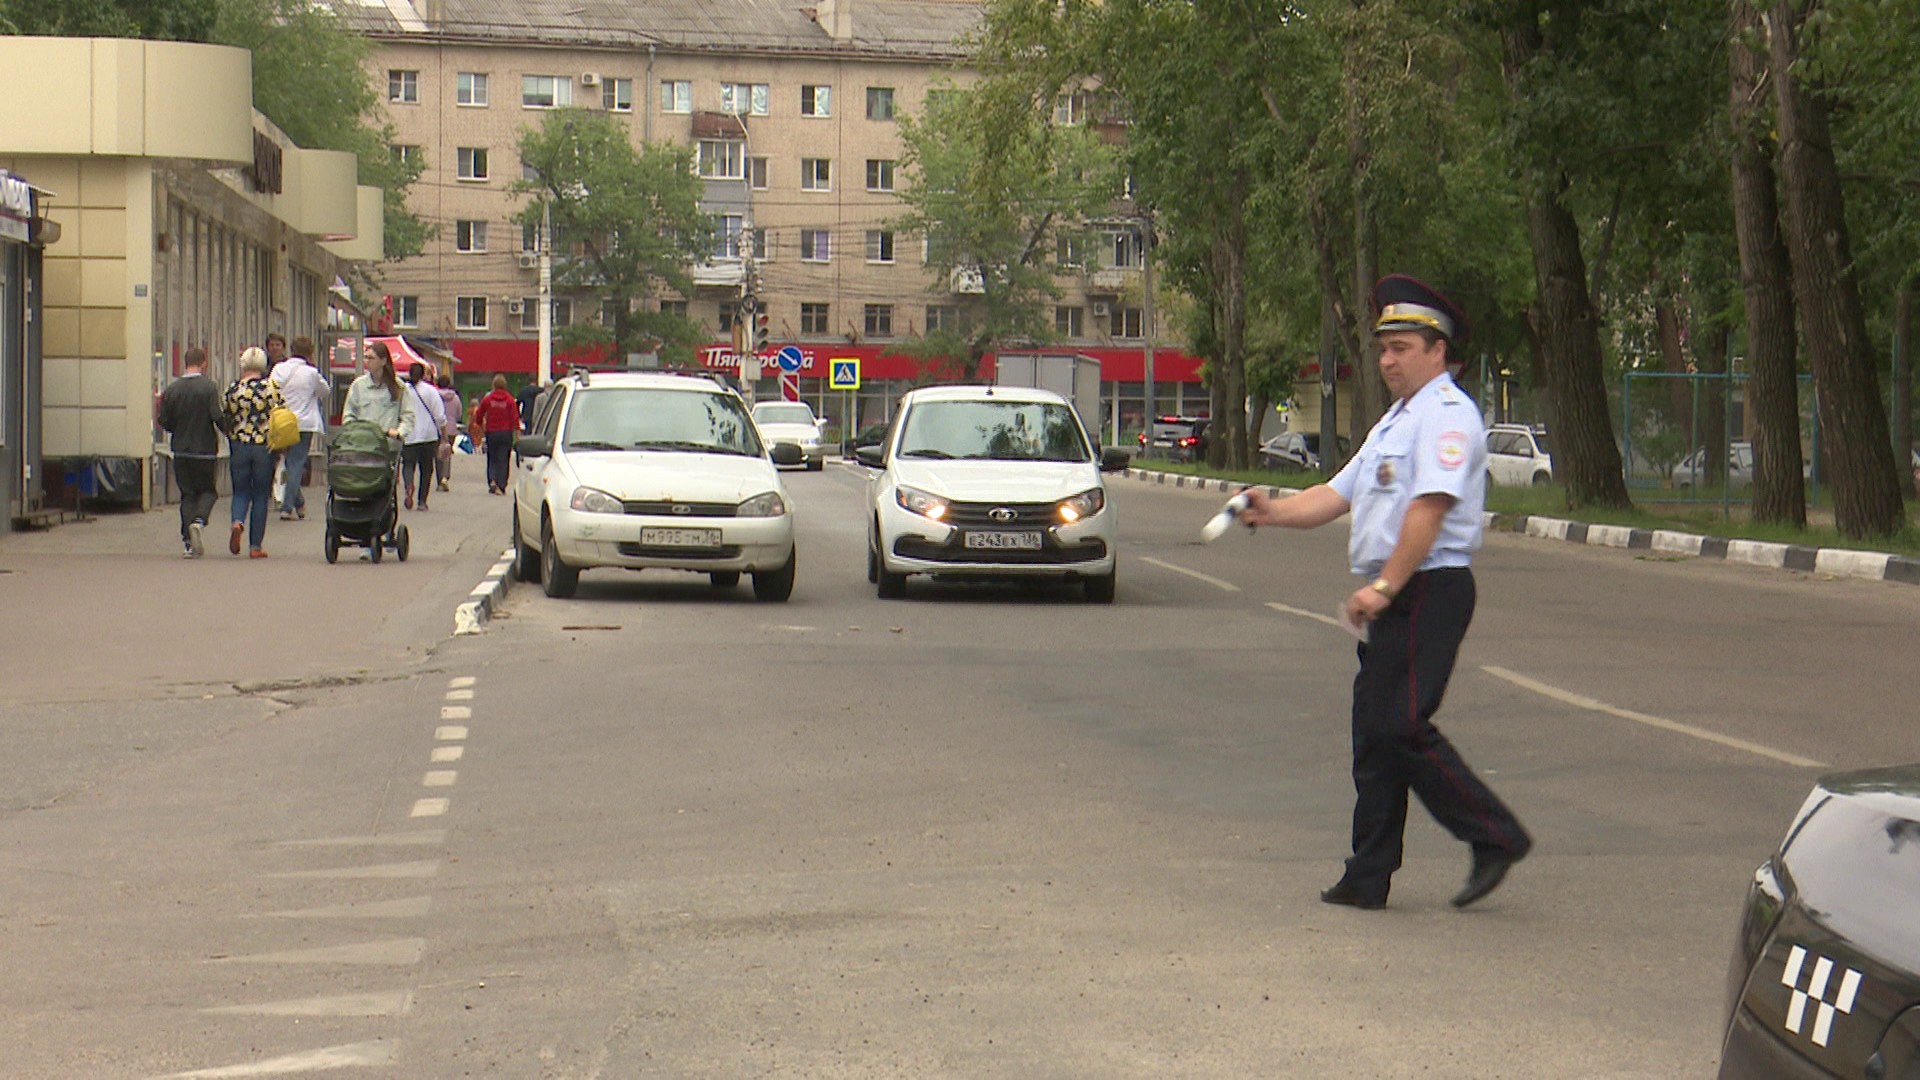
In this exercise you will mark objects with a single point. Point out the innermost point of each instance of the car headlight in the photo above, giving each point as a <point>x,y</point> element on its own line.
<point>595,501</point>
<point>924,503</point>
<point>1084,505</point>
<point>767,505</point>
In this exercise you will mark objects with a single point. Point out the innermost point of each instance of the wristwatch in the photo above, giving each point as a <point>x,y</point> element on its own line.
<point>1382,586</point>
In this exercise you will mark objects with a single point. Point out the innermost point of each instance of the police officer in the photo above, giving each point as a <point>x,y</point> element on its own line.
<point>1416,489</point>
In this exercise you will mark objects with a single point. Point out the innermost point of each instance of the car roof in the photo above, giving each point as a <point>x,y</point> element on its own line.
<point>656,380</point>
<point>982,393</point>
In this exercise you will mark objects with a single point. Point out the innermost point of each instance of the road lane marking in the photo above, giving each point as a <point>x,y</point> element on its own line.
<point>447,753</point>
<point>461,682</point>
<point>412,907</point>
<point>456,712</point>
<point>396,953</point>
<point>424,868</point>
<point>450,732</point>
<point>379,1003</point>
<point>430,807</point>
<point>402,839</point>
<point>1227,586</point>
<point>348,1056</point>
<point>459,695</point>
<point>1305,614</point>
<point>1583,702</point>
<point>439,778</point>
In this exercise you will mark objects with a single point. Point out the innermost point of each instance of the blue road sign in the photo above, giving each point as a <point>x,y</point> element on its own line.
<point>843,373</point>
<point>790,358</point>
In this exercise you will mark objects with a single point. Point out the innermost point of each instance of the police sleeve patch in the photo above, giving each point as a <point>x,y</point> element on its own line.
<point>1451,449</point>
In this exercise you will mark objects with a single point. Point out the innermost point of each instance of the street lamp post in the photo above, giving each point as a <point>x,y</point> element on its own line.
<point>546,292</point>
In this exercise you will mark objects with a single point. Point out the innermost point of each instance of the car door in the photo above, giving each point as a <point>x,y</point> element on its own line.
<point>529,471</point>
<point>1500,451</point>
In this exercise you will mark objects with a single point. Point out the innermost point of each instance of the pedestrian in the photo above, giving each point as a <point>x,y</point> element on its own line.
<point>422,440</point>
<point>499,416</point>
<point>190,412</point>
<point>1416,488</point>
<point>375,396</point>
<point>450,406</point>
<point>247,407</point>
<point>528,396</point>
<point>305,391</point>
<point>275,345</point>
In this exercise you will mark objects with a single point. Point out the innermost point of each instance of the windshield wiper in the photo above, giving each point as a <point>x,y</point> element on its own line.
<point>941,455</point>
<point>687,446</point>
<point>593,444</point>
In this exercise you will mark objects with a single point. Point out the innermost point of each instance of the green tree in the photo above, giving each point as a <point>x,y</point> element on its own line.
<point>164,20</point>
<point>633,219</point>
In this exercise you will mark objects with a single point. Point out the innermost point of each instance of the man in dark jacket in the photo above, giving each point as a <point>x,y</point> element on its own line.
<point>190,411</point>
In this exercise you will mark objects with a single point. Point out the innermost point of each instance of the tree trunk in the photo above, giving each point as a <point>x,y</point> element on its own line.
<point>1710,358</point>
<point>1903,387</point>
<point>1370,389</point>
<point>1227,437</point>
<point>1673,361</point>
<point>1585,458</point>
<point>1766,284</point>
<point>1866,498</point>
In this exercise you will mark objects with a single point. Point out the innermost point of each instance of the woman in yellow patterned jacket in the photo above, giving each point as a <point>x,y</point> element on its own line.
<point>246,409</point>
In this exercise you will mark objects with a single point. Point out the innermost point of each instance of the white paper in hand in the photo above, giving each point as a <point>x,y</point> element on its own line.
<point>1357,629</point>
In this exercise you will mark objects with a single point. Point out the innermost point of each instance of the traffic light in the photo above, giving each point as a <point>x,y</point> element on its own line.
<point>761,338</point>
<point>744,326</point>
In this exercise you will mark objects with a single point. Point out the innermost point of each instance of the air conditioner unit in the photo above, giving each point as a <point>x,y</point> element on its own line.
<point>529,261</point>
<point>589,78</point>
<point>515,306</point>
<point>1102,309</point>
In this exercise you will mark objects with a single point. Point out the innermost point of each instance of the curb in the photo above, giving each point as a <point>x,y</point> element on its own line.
<point>1834,562</point>
<point>472,615</point>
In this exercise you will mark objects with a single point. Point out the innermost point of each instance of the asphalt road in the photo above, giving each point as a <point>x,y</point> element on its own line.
<point>663,830</point>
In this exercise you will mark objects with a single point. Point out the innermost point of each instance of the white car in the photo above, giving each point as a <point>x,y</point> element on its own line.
<point>1518,455</point>
<point>794,422</point>
<point>651,471</point>
<point>990,482</point>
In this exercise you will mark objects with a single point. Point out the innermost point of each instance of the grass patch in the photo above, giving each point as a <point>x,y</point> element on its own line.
<point>1550,500</point>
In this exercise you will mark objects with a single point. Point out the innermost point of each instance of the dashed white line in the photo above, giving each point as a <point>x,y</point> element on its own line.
<point>439,778</point>
<point>396,953</point>
<point>430,807</point>
<point>412,907</point>
<point>447,753</point>
<point>1305,614</point>
<point>455,712</point>
<point>1581,701</point>
<point>1226,586</point>
<point>460,682</point>
<point>459,695</point>
<point>350,1055</point>
<point>377,1003</point>
<point>450,732</point>
<point>421,869</point>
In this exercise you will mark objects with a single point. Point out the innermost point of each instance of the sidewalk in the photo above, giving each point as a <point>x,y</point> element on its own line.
<point>1834,562</point>
<point>107,607</point>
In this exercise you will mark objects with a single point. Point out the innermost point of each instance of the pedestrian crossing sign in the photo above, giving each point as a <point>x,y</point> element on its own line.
<point>843,373</point>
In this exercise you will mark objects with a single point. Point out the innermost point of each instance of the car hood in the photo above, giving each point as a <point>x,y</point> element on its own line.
<point>790,432</point>
<point>640,475</point>
<point>998,481</point>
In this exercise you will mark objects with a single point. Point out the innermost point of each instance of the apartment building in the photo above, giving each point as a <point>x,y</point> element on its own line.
<point>792,114</point>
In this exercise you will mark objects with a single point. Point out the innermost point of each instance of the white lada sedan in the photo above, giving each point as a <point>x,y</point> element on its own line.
<point>990,482</point>
<point>651,471</point>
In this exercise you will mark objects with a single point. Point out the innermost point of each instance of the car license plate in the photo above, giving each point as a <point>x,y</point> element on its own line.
<point>686,538</point>
<point>1003,541</point>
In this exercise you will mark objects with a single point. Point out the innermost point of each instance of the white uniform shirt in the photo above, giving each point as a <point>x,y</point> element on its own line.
<point>428,413</point>
<point>303,389</point>
<point>1433,443</point>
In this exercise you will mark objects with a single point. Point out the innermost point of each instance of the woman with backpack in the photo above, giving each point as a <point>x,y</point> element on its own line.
<point>499,416</point>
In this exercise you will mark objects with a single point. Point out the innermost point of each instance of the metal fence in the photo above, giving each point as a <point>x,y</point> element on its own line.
<point>1688,436</point>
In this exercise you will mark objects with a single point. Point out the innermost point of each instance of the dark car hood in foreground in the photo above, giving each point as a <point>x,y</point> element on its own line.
<point>1830,940</point>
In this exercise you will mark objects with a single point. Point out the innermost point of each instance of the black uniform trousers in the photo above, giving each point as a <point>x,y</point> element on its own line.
<point>1404,666</point>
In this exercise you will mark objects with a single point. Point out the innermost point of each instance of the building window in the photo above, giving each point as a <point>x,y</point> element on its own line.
<point>816,101</point>
<point>815,245</point>
<point>562,312</point>
<point>470,312</point>
<point>722,159</point>
<point>727,242</point>
<point>879,321</point>
<point>729,313</point>
<point>879,246</point>
<point>472,162</point>
<point>814,319</point>
<point>676,96</point>
<point>406,312</point>
<point>677,308</point>
<point>1069,109</point>
<point>1127,252</point>
<point>530,313</point>
<point>760,245</point>
<point>470,236</point>
<point>545,91</point>
<point>816,174</point>
<point>616,95</point>
<point>610,311</point>
<point>1070,322</point>
<point>470,88</point>
<point>942,317</point>
<point>1071,252</point>
<point>879,175</point>
<point>529,237</point>
<point>879,102</point>
<point>403,87</point>
<point>743,98</point>
<point>406,153</point>
<point>1127,322</point>
<point>757,173</point>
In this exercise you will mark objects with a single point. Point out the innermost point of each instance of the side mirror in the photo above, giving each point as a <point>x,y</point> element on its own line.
<point>533,446</point>
<point>1114,458</point>
<point>786,453</point>
<point>873,457</point>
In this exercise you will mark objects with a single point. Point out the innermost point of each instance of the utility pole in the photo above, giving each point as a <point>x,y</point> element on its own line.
<point>546,293</point>
<point>1146,316</point>
<point>749,278</point>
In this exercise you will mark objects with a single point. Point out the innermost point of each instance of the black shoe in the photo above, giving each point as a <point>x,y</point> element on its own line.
<point>1489,870</point>
<point>1347,893</point>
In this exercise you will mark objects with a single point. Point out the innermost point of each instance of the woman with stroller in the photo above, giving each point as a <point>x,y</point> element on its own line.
<point>376,395</point>
<point>245,411</point>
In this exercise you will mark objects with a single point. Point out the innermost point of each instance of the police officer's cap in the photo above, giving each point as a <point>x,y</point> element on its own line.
<point>1405,303</point>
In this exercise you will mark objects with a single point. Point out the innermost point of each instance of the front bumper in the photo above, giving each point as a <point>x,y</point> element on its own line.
<point>746,544</point>
<point>915,545</point>
<point>1754,1052</point>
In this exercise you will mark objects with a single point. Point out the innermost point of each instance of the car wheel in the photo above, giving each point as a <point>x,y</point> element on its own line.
<point>774,586</point>
<point>891,586</point>
<point>1099,590</point>
<point>873,562</point>
<point>1541,479</point>
<point>724,579</point>
<point>816,466</point>
<point>526,561</point>
<point>556,577</point>
<point>333,544</point>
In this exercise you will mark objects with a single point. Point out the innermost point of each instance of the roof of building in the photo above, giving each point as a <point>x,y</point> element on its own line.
<point>908,28</point>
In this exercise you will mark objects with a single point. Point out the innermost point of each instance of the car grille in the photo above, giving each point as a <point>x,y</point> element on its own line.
<point>981,515</point>
<point>1051,552</point>
<point>650,551</point>
<point>670,508</point>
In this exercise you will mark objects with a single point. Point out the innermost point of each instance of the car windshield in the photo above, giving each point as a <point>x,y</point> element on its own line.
<point>647,418</point>
<point>1540,440</point>
<point>996,430</point>
<point>783,413</point>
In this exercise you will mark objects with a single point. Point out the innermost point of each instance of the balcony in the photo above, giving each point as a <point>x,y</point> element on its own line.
<point>720,274</point>
<point>1109,279</point>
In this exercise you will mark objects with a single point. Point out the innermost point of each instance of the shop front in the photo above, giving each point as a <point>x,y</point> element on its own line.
<point>23,235</point>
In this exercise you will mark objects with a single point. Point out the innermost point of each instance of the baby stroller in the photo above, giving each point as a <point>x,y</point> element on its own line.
<point>363,470</point>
